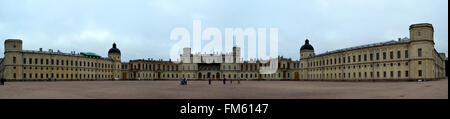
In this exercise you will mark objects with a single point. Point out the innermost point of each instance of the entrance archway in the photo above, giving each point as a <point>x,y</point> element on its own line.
<point>159,75</point>
<point>217,75</point>
<point>208,75</point>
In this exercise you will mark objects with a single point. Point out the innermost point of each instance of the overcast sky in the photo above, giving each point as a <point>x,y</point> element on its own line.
<point>141,28</point>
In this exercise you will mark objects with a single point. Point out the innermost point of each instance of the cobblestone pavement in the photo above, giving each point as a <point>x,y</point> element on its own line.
<point>244,90</point>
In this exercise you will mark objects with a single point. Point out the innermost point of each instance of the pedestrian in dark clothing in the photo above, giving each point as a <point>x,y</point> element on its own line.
<point>224,80</point>
<point>209,80</point>
<point>2,81</point>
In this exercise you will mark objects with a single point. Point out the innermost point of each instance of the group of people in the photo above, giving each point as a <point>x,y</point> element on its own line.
<point>225,81</point>
<point>185,80</point>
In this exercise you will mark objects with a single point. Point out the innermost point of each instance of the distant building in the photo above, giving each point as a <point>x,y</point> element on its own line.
<point>405,59</point>
<point>411,58</point>
<point>44,65</point>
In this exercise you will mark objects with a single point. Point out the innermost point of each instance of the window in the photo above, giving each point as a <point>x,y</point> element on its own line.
<point>384,74</point>
<point>359,58</point>
<point>365,57</point>
<point>371,57</point>
<point>406,54</point>
<point>354,58</point>
<point>392,73</point>
<point>406,74</point>
<point>378,56</point>
<point>399,54</point>
<point>420,72</point>
<point>419,52</point>
<point>420,62</point>
<point>384,55</point>
<point>14,60</point>
<point>30,61</point>
<point>399,73</point>
<point>391,55</point>
<point>24,60</point>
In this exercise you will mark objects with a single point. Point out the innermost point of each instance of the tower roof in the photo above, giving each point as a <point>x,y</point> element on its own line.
<point>114,49</point>
<point>307,46</point>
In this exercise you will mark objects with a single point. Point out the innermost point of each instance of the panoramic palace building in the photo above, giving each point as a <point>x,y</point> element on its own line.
<point>413,58</point>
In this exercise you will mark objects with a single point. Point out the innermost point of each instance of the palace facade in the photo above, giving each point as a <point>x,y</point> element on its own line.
<point>413,58</point>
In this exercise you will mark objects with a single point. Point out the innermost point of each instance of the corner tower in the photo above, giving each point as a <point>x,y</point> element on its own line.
<point>422,51</point>
<point>422,31</point>
<point>114,54</point>
<point>13,60</point>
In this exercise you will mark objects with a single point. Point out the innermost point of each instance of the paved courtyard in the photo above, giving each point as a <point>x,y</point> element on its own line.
<point>244,90</point>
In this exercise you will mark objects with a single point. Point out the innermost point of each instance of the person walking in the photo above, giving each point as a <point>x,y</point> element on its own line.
<point>2,81</point>
<point>224,80</point>
<point>231,81</point>
<point>209,81</point>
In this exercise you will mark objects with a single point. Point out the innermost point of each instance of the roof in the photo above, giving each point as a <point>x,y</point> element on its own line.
<point>366,46</point>
<point>89,54</point>
<point>114,49</point>
<point>307,46</point>
<point>65,54</point>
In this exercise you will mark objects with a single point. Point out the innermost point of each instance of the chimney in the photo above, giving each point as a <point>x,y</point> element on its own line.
<point>40,49</point>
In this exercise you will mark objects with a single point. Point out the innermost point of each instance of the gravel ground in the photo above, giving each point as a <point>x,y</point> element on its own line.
<point>244,90</point>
